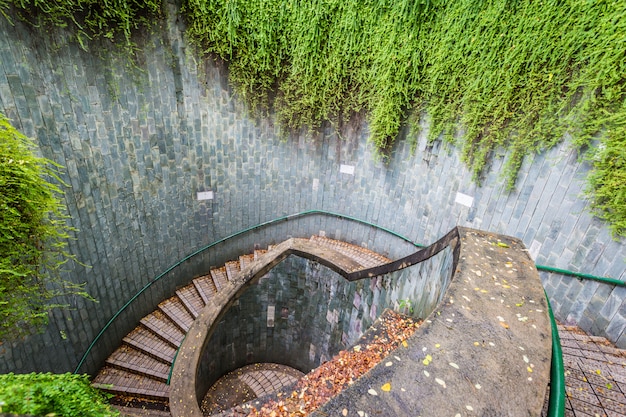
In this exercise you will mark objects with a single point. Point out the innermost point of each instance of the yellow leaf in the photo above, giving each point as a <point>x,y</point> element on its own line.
<point>386,387</point>
<point>405,344</point>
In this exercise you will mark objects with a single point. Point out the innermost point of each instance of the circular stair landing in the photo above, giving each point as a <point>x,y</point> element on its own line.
<point>246,384</point>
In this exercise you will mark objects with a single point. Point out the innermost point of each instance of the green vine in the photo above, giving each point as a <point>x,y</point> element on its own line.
<point>64,395</point>
<point>115,20</point>
<point>514,75</point>
<point>502,75</point>
<point>33,236</point>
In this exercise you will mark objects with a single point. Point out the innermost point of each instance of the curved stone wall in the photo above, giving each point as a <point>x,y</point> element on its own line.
<point>314,313</point>
<point>140,144</point>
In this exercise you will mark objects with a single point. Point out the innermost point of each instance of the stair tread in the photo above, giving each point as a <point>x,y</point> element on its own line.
<point>363,256</point>
<point>174,308</point>
<point>135,361</point>
<point>191,299</point>
<point>245,260</point>
<point>232,269</point>
<point>219,277</point>
<point>205,287</point>
<point>119,381</point>
<point>258,253</point>
<point>143,339</point>
<point>162,326</point>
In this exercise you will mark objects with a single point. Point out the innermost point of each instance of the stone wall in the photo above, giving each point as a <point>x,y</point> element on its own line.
<point>139,144</point>
<point>301,313</point>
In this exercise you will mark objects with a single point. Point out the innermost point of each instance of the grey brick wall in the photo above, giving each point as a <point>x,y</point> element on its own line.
<point>139,145</point>
<point>317,313</point>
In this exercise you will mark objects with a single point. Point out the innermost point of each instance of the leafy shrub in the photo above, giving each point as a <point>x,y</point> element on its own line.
<point>63,395</point>
<point>33,236</point>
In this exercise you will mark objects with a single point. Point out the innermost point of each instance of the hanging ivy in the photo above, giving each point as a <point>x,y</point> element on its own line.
<point>33,236</point>
<point>509,75</point>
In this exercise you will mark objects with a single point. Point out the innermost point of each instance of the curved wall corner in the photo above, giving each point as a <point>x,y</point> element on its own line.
<point>138,147</point>
<point>302,313</point>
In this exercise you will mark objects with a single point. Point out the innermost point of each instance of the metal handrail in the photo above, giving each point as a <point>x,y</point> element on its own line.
<point>210,245</point>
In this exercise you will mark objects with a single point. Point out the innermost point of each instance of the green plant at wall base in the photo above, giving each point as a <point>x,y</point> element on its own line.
<point>64,395</point>
<point>405,306</point>
<point>514,75</point>
<point>33,236</point>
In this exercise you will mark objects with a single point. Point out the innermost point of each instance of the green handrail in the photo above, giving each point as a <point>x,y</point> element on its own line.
<point>556,405</point>
<point>210,245</point>
<point>581,275</point>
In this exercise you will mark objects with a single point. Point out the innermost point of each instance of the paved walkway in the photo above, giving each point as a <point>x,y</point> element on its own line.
<point>595,379</point>
<point>595,375</point>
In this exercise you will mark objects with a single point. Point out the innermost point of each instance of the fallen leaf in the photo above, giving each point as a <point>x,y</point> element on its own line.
<point>506,326</point>
<point>372,392</point>
<point>386,387</point>
<point>344,412</point>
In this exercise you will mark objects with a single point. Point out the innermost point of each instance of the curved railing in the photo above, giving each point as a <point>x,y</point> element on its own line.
<point>557,389</point>
<point>222,240</point>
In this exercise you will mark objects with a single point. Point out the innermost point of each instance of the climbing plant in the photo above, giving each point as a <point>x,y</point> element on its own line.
<point>64,395</point>
<point>33,236</point>
<point>104,19</point>
<point>510,75</point>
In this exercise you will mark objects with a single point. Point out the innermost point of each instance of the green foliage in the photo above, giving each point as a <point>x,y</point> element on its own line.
<point>514,75</point>
<point>105,19</point>
<point>63,395</point>
<point>509,75</point>
<point>33,236</point>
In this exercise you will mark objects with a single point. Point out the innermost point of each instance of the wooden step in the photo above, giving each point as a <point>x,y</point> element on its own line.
<point>175,310</point>
<point>132,360</point>
<point>258,253</point>
<point>141,412</point>
<point>117,381</point>
<point>245,260</point>
<point>146,341</point>
<point>191,299</point>
<point>163,327</point>
<point>205,287</point>
<point>363,256</point>
<point>219,277</point>
<point>232,269</point>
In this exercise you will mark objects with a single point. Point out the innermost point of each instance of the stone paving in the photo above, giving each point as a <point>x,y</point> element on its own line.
<point>246,384</point>
<point>595,375</point>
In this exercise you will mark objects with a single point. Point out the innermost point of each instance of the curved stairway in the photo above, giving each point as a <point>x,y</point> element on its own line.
<point>140,367</point>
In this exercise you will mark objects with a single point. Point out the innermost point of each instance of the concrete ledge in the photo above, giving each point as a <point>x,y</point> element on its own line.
<point>489,339</point>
